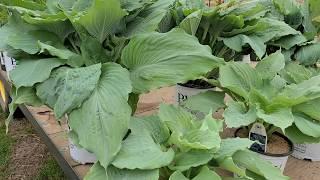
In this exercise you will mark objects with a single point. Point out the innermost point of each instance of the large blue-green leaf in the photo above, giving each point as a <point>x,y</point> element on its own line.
<point>140,151</point>
<point>239,41</point>
<point>206,102</point>
<point>97,172</point>
<point>276,29</point>
<point>185,160</point>
<point>290,41</point>
<point>254,163</point>
<point>54,6</point>
<point>307,125</point>
<point>102,18</point>
<point>131,5</point>
<point>163,59</point>
<point>103,119</point>
<point>92,51</point>
<point>310,29</point>
<point>191,23</point>
<point>228,164</point>
<point>296,136</point>
<point>24,35</point>
<point>60,52</point>
<point>28,41</point>
<point>253,9</point>
<point>80,5</point>
<point>287,7</point>
<point>310,108</point>
<point>67,88</point>
<point>315,13</point>
<point>240,78</point>
<point>295,94</point>
<point>177,175</point>
<point>295,73</point>
<point>25,95</point>
<point>281,118</point>
<point>230,146</point>
<point>237,115</point>
<point>29,72</point>
<point>204,174</point>
<point>33,5</point>
<point>153,18</point>
<point>55,23</point>
<point>154,127</point>
<point>187,133</point>
<point>271,65</point>
<point>308,54</point>
<point>256,37</point>
<point>177,118</point>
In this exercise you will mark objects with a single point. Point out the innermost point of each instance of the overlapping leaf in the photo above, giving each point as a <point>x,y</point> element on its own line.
<point>103,119</point>
<point>67,88</point>
<point>102,18</point>
<point>97,172</point>
<point>169,62</point>
<point>140,151</point>
<point>187,133</point>
<point>30,72</point>
<point>237,115</point>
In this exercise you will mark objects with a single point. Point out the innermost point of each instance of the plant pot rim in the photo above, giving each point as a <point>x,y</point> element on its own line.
<point>198,87</point>
<point>290,143</point>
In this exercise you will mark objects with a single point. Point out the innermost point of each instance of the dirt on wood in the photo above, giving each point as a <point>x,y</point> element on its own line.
<point>28,152</point>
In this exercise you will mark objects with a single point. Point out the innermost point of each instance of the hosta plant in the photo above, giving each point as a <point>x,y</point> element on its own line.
<point>91,59</point>
<point>258,27</point>
<point>176,145</point>
<point>301,16</point>
<point>283,97</point>
<point>235,27</point>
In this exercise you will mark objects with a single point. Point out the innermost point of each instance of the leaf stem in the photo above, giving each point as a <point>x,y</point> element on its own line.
<point>222,51</point>
<point>205,32</point>
<point>73,45</point>
<point>189,173</point>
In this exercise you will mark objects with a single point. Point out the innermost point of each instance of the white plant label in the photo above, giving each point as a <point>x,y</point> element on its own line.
<point>258,133</point>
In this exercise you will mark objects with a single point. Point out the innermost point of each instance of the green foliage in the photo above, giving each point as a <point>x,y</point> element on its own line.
<point>91,59</point>
<point>3,16</point>
<point>6,143</point>
<point>185,147</point>
<point>50,170</point>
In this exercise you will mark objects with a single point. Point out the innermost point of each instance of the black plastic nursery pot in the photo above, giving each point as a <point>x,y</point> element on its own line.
<point>277,159</point>
<point>185,90</point>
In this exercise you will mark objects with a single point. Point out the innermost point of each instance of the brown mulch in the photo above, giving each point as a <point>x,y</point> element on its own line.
<point>28,152</point>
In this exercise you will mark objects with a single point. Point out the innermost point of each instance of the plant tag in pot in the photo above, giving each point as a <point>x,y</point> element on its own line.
<point>258,133</point>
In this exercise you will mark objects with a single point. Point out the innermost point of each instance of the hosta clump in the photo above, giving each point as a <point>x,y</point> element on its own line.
<point>91,59</point>
<point>235,27</point>
<point>283,97</point>
<point>176,145</point>
<point>256,27</point>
